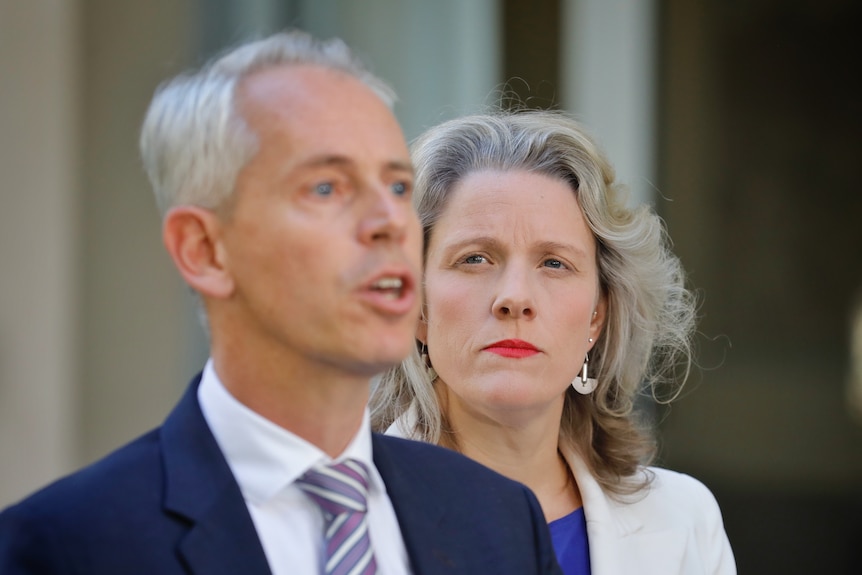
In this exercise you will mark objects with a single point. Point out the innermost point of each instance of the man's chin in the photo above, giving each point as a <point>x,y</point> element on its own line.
<point>380,359</point>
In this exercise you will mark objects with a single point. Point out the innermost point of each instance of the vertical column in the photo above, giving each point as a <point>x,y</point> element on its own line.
<point>608,80</point>
<point>39,253</point>
<point>134,330</point>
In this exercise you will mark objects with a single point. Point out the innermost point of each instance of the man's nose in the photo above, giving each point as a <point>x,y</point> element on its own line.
<point>385,215</point>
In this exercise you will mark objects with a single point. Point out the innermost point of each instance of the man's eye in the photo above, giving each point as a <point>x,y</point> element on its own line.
<point>400,188</point>
<point>324,189</point>
<point>475,259</point>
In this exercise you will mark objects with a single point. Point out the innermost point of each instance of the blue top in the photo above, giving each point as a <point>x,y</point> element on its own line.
<point>569,535</point>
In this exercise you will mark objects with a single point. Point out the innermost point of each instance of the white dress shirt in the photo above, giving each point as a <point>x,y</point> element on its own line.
<point>266,460</point>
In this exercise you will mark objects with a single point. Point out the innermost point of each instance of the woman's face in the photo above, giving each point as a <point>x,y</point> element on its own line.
<point>512,295</point>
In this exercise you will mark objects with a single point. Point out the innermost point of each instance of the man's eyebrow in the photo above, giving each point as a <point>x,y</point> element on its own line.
<point>324,161</point>
<point>400,166</point>
<point>344,161</point>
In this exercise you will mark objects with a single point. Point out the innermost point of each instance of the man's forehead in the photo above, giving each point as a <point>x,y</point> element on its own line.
<point>321,117</point>
<point>297,85</point>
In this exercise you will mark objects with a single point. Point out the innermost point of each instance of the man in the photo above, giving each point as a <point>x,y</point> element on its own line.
<point>284,182</point>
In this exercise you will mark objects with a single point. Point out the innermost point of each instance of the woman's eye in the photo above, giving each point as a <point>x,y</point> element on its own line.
<point>400,188</point>
<point>475,259</point>
<point>555,264</point>
<point>324,189</point>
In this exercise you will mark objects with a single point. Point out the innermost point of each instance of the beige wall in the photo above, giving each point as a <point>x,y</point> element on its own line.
<point>133,339</point>
<point>39,242</point>
<point>94,328</point>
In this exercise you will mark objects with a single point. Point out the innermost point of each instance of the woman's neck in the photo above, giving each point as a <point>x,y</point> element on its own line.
<point>526,452</point>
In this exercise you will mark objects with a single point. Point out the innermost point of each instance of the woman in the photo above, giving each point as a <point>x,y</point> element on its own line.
<point>548,304</point>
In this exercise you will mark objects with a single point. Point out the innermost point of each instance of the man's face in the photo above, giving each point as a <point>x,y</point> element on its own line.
<point>320,238</point>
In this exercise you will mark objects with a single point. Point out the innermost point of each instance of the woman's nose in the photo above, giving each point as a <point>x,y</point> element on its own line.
<point>514,299</point>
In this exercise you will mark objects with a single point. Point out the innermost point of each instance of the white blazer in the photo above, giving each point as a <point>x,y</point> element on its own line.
<point>673,526</point>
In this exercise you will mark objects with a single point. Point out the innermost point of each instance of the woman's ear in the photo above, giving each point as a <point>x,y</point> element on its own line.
<point>191,236</point>
<point>597,322</point>
<point>422,330</point>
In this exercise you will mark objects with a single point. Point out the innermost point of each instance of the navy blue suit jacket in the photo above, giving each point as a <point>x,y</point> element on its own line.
<point>167,503</point>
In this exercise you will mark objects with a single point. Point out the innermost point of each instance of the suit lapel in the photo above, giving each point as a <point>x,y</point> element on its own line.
<point>223,542</point>
<point>418,517</point>
<point>200,487</point>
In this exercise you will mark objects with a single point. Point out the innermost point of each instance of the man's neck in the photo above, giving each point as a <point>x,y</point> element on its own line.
<point>323,406</point>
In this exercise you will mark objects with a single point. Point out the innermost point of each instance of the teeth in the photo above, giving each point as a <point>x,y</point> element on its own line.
<point>388,283</point>
<point>391,287</point>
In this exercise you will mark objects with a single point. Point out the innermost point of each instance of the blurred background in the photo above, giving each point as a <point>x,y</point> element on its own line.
<point>739,121</point>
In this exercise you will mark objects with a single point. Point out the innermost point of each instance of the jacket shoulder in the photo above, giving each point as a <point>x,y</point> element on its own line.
<point>450,466</point>
<point>455,511</point>
<point>675,490</point>
<point>677,501</point>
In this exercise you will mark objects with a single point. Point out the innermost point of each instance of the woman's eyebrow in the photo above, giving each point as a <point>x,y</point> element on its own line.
<point>557,247</point>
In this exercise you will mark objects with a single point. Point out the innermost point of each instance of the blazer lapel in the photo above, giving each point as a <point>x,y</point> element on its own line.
<point>418,517</point>
<point>200,488</point>
<point>620,540</point>
<point>603,533</point>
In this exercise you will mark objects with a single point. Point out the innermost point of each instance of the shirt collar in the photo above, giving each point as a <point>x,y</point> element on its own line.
<point>264,457</point>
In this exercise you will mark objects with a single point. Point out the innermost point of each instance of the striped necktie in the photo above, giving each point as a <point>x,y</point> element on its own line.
<point>341,491</point>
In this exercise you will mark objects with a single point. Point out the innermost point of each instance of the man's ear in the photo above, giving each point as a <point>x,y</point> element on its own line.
<point>191,236</point>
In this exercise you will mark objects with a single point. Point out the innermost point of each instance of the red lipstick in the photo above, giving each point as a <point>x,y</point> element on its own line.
<point>514,348</point>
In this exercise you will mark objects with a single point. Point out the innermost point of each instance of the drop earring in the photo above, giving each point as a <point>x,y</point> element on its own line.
<point>426,361</point>
<point>585,384</point>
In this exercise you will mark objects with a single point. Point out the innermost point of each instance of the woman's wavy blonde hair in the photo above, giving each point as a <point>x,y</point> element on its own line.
<point>646,340</point>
